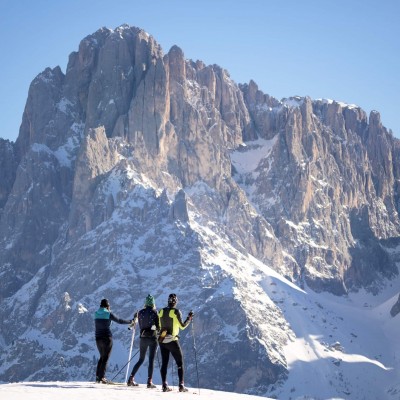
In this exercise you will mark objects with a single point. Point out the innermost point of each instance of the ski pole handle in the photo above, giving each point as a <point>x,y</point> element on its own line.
<point>132,324</point>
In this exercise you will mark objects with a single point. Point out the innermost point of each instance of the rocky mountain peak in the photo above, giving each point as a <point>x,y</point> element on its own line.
<point>139,171</point>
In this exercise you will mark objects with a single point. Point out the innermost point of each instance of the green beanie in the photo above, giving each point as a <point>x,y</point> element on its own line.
<point>150,301</point>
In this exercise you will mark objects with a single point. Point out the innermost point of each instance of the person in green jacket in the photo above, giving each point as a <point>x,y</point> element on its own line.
<point>104,342</point>
<point>171,322</point>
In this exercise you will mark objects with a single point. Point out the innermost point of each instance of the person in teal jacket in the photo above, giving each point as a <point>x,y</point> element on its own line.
<point>102,319</point>
<point>171,322</point>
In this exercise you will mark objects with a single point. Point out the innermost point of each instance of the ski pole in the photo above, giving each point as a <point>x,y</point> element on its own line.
<point>124,366</point>
<point>195,357</point>
<point>172,373</point>
<point>130,350</point>
<point>158,360</point>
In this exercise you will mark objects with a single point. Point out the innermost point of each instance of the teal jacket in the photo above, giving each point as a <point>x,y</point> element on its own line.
<point>102,321</point>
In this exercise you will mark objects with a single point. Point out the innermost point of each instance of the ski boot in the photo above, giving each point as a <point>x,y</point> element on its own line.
<point>166,388</point>
<point>131,382</point>
<point>182,388</point>
<point>150,384</point>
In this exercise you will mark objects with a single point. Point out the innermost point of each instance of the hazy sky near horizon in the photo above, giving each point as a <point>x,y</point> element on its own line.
<point>346,50</point>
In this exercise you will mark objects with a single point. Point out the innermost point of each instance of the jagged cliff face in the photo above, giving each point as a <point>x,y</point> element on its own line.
<point>140,172</point>
<point>328,187</point>
<point>8,166</point>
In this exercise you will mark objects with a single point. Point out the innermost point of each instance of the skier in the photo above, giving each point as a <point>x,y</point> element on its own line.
<point>149,325</point>
<point>102,318</point>
<point>171,322</point>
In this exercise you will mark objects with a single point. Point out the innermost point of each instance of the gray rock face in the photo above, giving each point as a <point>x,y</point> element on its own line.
<point>396,308</point>
<point>327,162</point>
<point>8,166</point>
<point>141,172</point>
<point>32,216</point>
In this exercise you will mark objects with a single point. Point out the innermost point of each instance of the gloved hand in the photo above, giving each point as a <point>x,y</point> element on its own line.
<point>190,315</point>
<point>132,324</point>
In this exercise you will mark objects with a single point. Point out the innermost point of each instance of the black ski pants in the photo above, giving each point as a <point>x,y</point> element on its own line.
<point>175,350</point>
<point>151,344</point>
<point>104,345</point>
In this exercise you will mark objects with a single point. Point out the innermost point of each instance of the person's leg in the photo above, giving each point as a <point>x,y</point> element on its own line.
<point>99,346</point>
<point>104,345</point>
<point>164,363</point>
<point>142,357</point>
<point>152,353</point>
<point>177,354</point>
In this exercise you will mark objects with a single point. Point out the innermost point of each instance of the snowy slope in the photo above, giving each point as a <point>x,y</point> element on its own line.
<point>92,391</point>
<point>333,347</point>
<point>343,346</point>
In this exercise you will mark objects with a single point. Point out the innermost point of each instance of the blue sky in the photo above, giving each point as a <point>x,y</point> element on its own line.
<point>346,50</point>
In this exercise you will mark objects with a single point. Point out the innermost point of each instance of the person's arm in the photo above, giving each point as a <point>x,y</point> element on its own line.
<point>183,325</point>
<point>157,321</point>
<point>119,320</point>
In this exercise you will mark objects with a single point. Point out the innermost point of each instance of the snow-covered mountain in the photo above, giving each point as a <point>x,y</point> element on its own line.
<point>277,222</point>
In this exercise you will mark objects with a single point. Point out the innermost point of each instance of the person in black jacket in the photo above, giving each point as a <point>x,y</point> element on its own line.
<point>102,319</point>
<point>149,325</point>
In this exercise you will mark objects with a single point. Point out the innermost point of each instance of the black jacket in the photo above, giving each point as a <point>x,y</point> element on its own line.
<point>148,319</point>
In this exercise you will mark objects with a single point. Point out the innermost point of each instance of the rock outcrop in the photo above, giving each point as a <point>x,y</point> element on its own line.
<point>8,167</point>
<point>323,188</point>
<point>396,308</point>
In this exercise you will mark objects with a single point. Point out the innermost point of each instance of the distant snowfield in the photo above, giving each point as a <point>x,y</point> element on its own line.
<point>93,391</point>
<point>348,345</point>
